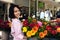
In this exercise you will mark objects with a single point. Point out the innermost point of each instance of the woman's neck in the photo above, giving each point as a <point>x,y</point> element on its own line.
<point>15,18</point>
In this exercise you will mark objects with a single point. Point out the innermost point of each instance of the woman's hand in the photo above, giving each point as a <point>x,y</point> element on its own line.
<point>9,23</point>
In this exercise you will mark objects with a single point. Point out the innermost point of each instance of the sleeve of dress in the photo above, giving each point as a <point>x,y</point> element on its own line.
<point>20,34</point>
<point>12,30</point>
<point>51,14</point>
<point>17,25</point>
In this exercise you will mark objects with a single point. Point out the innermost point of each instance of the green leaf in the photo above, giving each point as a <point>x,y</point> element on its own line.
<point>40,4</point>
<point>29,19</point>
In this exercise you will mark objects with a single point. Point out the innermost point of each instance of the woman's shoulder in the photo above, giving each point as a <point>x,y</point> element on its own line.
<point>15,20</point>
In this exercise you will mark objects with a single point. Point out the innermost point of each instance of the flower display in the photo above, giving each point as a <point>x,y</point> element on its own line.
<point>4,25</point>
<point>40,28</point>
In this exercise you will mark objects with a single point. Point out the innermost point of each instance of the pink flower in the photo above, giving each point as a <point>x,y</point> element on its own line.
<point>39,23</point>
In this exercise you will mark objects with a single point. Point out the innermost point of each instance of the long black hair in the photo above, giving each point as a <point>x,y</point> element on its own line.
<point>11,10</point>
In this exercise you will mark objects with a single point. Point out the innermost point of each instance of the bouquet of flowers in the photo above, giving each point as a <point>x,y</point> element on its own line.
<point>41,29</point>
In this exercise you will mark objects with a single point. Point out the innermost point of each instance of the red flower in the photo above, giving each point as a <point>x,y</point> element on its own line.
<point>48,28</point>
<point>54,32</point>
<point>34,24</point>
<point>25,23</point>
<point>1,21</point>
<point>37,25</point>
<point>57,26</point>
<point>6,24</point>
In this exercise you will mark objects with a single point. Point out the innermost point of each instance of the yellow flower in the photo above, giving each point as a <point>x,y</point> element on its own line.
<point>29,34</point>
<point>45,32</point>
<point>41,35</point>
<point>24,29</point>
<point>58,29</point>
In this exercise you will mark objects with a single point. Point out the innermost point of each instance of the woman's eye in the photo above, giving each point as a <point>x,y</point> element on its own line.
<point>15,11</point>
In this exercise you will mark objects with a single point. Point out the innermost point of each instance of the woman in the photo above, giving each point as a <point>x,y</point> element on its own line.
<point>14,14</point>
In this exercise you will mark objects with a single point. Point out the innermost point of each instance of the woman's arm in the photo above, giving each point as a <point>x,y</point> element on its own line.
<point>12,30</point>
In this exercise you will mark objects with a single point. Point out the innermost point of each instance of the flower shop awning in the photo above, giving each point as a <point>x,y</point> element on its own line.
<point>8,1</point>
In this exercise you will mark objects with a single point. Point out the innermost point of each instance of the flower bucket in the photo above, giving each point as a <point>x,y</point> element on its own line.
<point>53,38</point>
<point>33,38</point>
<point>49,39</point>
<point>45,39</point>
<point>3,35</point>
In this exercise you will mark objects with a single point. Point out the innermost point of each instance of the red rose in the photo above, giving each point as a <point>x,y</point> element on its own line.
<point>57,26</point>
<point>54,32</point>
<point>37,25</point>
<point>32,25</point>
<point>48,28</point>
<point>25,23</point>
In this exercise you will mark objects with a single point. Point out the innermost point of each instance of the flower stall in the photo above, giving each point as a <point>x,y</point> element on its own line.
<point>4,30</point>
<point>35,29</point>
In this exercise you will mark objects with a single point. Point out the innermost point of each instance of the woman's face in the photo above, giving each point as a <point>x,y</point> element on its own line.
<point>16,12</point>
